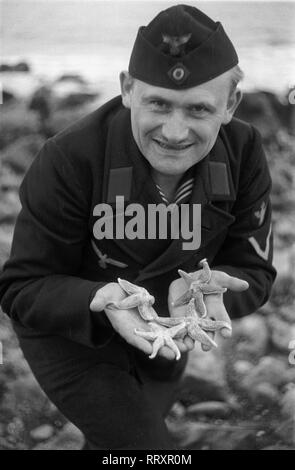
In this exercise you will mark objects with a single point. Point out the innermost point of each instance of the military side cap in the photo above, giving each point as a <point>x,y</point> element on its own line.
<point>181,48</point>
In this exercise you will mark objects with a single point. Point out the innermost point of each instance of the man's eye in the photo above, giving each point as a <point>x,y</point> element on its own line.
<point>199,109</point>
<point>157,104</point>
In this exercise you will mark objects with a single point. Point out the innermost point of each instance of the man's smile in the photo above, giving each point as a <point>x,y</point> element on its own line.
<point>170,146</point>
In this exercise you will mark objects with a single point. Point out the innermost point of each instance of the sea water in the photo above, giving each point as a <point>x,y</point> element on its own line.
<point>94,38</point>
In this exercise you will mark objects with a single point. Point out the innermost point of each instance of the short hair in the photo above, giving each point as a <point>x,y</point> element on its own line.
<point>236,76</point>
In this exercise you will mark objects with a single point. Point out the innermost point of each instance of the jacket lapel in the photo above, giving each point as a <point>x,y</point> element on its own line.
<point>127,174</point>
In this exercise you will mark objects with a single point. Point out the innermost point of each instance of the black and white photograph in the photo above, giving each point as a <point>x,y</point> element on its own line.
<point>147,214</point>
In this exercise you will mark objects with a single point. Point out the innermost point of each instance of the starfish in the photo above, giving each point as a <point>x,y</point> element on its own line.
<point>164,329</point>
<point>137,297</point>
<point>161,336</point>
<point>197,288</point>
<point>192,325</point>
<point>197,326</point>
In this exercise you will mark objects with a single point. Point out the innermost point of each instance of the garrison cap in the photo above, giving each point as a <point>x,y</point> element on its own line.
<point>181,48</point>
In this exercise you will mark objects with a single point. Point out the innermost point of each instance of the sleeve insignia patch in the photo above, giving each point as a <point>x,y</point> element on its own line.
<point>262,253</point>
<point>260,213</point>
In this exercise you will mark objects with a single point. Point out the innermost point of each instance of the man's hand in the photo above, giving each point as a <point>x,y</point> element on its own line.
<point>214,302</point>
<point>125,321</point>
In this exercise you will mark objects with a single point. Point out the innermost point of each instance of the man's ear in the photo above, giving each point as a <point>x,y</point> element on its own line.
<point>232,104</point>
<point>126,82</point>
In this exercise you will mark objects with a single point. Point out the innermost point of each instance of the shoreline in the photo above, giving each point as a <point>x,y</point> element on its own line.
<point>22,85</point>
<point>266,68</point>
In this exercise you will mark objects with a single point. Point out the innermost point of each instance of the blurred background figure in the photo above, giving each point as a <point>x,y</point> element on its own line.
<point>41,104</point>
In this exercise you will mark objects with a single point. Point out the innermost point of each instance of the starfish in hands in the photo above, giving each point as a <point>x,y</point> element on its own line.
<point>161,336</point>
<point>194,323</point>
<point>198,286</point>
<point>137,297</point>
<point>163,329</point>
<point>197,326</point>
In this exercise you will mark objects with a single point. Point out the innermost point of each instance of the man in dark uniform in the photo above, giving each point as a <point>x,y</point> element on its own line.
<point>170,138</point>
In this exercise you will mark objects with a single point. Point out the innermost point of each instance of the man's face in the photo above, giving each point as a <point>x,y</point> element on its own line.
<point>174,129</point>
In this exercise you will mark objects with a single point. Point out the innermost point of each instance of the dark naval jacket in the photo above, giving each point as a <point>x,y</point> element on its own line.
<point>57,262</point>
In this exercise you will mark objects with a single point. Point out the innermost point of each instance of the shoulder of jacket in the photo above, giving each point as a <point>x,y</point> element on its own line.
<point>239,133</point>
<point>79,150</point>
<point>241,139</point>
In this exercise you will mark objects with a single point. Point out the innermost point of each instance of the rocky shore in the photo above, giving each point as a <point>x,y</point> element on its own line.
<point>242,398</point>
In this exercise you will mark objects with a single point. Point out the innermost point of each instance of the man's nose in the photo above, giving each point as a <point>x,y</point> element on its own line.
<point>174,128</point>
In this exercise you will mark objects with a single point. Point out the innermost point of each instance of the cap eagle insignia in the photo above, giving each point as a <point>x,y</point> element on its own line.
<point>176,44</point>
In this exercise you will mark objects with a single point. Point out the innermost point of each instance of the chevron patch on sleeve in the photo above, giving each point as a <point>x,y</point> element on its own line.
<point>263,253</point>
